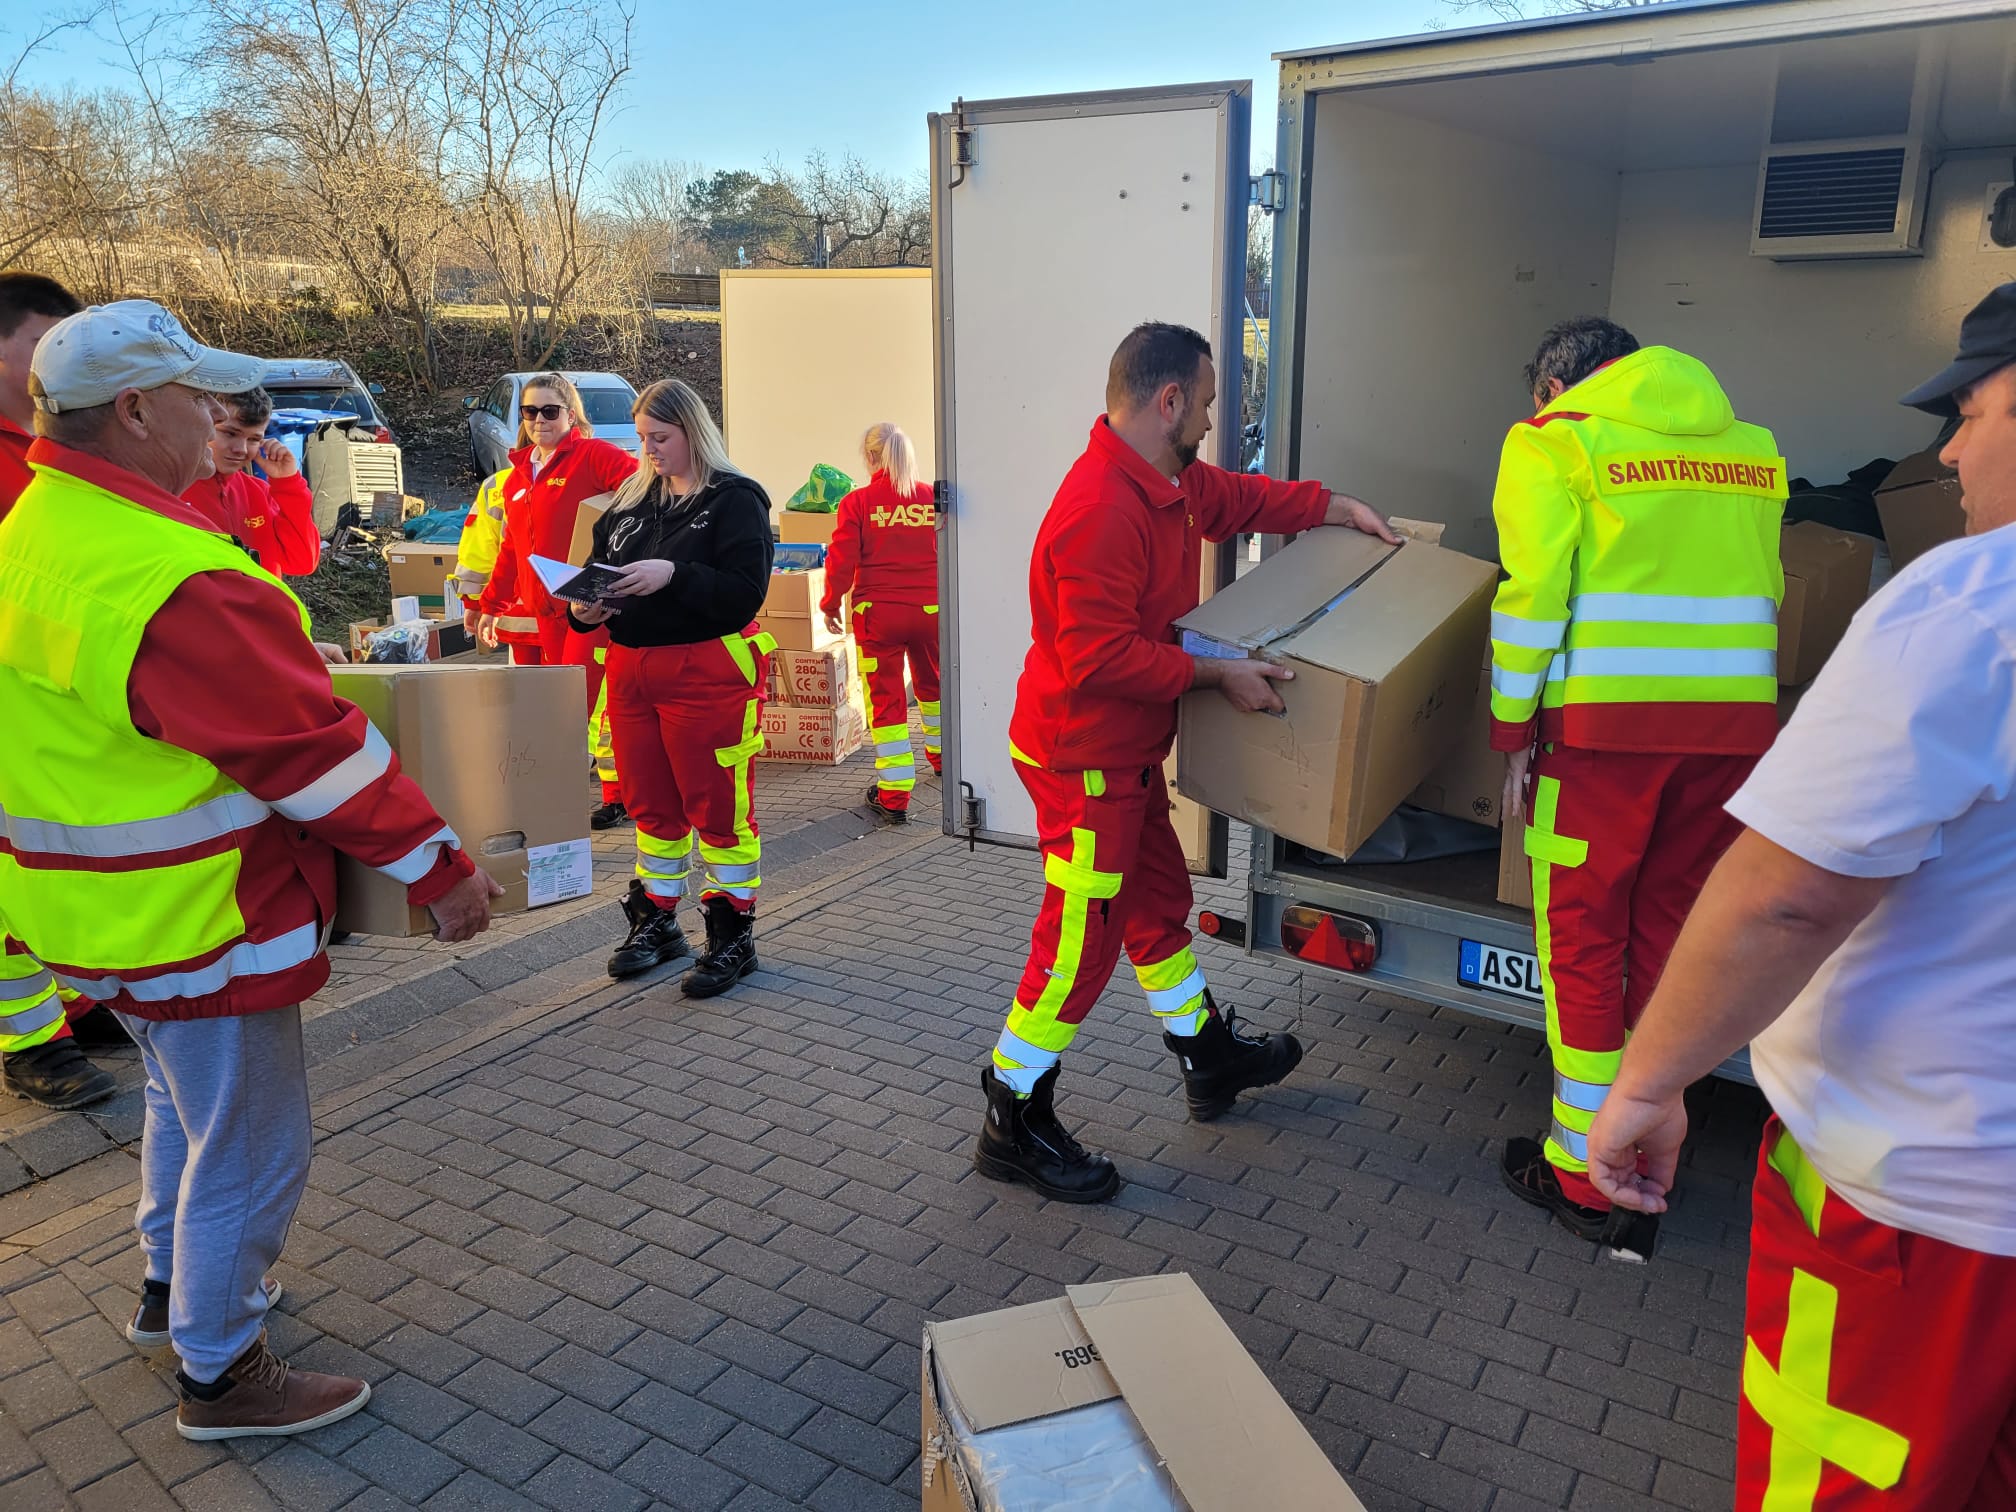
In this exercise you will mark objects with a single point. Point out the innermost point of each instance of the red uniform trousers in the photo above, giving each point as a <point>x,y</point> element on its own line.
<point>1621,842</point>
<point>1117,879</point>
<point>1879,1372</point>
<point>889,635</point>
<point>561,645</point>
<point>687,722</point>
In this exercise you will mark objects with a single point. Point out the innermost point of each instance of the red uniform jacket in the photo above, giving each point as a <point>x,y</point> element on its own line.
<point>539,518</point>
<point>275,517</point>
<point>1117,562</point>
<point>885,548</point>
<point>297,737</point>
<point>14,471</point>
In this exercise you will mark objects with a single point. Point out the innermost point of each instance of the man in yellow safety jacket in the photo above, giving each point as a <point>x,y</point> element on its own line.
<point>475,559</point>
<point>1634,642</point>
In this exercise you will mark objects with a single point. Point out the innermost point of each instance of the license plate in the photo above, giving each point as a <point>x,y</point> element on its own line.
<point>1496,969</point>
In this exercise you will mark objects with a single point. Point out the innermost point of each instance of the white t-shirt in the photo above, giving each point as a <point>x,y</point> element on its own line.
<point>1895,1069</point>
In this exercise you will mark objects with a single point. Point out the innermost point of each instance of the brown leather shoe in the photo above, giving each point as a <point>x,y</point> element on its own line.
<point>266,1398</point>
<point>149,1328</point>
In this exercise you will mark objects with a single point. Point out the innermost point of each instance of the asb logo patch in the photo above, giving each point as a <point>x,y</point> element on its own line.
<point>903,514</point>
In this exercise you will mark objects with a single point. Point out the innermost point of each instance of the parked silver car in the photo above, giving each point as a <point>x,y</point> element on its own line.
<point>493,415</point>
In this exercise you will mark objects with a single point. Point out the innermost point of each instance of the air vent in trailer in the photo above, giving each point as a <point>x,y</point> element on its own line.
<point>1842,199</point>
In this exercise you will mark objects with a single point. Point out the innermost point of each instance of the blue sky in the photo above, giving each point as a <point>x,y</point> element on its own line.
<point>731,84</point>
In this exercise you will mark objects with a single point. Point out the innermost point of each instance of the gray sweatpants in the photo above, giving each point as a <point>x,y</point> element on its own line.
<point>223,1164</point>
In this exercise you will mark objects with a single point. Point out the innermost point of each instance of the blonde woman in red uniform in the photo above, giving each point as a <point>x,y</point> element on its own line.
<point>559,463</point>
<point>686,676</point>
<point>885,552</point>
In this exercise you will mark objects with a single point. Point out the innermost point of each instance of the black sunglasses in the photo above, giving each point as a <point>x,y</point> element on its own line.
<point>541,411</point>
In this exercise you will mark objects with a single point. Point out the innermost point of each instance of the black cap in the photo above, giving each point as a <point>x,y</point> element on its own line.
<point>1987,342</point>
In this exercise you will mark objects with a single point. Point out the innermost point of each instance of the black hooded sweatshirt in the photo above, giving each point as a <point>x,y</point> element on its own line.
<point>720,544</point>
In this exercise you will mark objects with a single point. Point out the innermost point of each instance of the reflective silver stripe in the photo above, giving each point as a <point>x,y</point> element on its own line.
<point>340,783</point>
<point>223,815</point>
<point>1020,1051</point>
<point>32,1019</point>
<point>495,511</point>
<point>1175,999</point>
<point>1670,661</point>
<point>1506,683</point>
<point>665,887</point>
<point>737,890</point>
<point>419,861</point>
<point>266,958</point>
<point>738,871</point>
<point>20,989</point>
<point>888,771</point>
<point>1534,635</point>
<point>893,747</point>
<point>1575,1144</point>
<point>1585,1097</point>
<point>1669,609</point>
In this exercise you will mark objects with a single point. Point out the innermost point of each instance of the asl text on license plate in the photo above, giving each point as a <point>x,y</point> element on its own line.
<point>1496,969</point>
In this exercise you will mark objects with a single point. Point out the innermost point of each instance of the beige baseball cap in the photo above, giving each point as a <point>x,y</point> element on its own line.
<point>86,359</point>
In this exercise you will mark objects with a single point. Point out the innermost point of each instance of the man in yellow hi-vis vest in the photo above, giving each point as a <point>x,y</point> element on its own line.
<point>1634,643</point>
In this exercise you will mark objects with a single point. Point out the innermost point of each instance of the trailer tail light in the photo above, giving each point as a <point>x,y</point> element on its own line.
<point>1336,940</point>
<point>384,436</point>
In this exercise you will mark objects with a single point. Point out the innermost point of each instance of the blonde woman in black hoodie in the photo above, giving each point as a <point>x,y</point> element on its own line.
<point>687,669</point>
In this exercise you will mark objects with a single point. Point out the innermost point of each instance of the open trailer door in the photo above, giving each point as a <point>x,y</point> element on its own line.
<point>1059,224</point>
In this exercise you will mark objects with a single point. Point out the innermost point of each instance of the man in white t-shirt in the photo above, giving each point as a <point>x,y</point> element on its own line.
<point>1862,934</point>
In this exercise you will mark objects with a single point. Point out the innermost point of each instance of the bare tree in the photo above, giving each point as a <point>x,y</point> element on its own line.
<point>537,79</point>
<point>1524,10</point>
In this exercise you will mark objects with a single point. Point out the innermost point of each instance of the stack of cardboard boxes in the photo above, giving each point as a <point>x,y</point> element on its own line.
<point>815,711</point>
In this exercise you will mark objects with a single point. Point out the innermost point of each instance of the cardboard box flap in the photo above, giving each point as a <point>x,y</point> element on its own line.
<point>1224,1432</point>
<point>1391,612</point>
<point>1018,1364</point>
<point>1813,548</point>
<point>1300,582</point>
<point>1920,467</point>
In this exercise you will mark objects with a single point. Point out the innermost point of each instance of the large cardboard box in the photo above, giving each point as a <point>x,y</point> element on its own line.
<point>820,737</point>
<point>501,752</point>
<point>1470,782</point>
<point>1826,581</point>
<point>1919,505</point>
<point>791,611</point>
<point>1383,641</point>
<point>422,572</point>
<point>1185,1412</point>
<point>583,539</point>
<point>815,679</point>
<point>803,526</point>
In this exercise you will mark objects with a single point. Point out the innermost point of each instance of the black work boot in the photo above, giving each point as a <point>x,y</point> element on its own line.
<point>1221,1060</point>
<point>655,936</point>
<point>731,950</point>
<point>609,815</point>
<point>1022,1141</point>
<point>1531,1177</point>
<point>57,1075</point>
<point>882,811</point>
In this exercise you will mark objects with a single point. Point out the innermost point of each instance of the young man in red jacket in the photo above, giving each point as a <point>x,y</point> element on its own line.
<point>273,516</point>
<point>1117,562</point>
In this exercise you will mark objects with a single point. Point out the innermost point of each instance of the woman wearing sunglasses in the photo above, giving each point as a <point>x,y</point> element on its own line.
<point>686,679</point>
<point>559,462</point>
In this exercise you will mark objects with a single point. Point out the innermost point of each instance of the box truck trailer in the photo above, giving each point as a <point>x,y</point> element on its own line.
<point>1802,193</point>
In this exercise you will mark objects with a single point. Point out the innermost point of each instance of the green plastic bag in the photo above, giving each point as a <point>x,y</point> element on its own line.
<point>822,492</point>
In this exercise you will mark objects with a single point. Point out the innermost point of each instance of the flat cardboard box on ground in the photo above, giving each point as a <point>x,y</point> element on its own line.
<point>501,753</point>
<point>1383,641</point>
<point>1919,505</point>
<point>1137,1384</point>
<point>1826,581</point>
<point>804,527</point>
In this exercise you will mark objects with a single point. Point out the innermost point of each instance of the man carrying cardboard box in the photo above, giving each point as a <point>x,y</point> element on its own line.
<point>1856,937</point>
<point>1117,562</point>
<point>171,843</point>
<point>1634,640</point>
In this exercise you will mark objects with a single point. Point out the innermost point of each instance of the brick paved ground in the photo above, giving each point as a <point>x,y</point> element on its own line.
<point>611,1248</point>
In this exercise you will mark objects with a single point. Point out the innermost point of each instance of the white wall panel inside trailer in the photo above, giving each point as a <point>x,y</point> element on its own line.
<point>810,358</point>
<point>1436,257</point>
<point>1068,232</point>
<point>1817,351</point>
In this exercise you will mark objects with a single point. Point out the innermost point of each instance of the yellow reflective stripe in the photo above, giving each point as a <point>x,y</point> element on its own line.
<point>1077,875</point>
<point>861,606</point>
<point>1555,850</point>
<point>665,850</point>
<point>743,657</point>
<point>1040,1026</point>
<point>1016,753</point>
<point>748,847</point>
<point>1567,1149</point>
<point>1095,784</point>
<point>1809,1187</point>
<point>930,608</point>
<point>1166,974</point>
<point>1761,688</point>
<point>1548,850</point>
<point>1806,1430</point>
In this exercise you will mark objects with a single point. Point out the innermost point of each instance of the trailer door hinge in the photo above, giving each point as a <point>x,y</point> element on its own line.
<point>941,497</point>
<point>1269,191</point>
